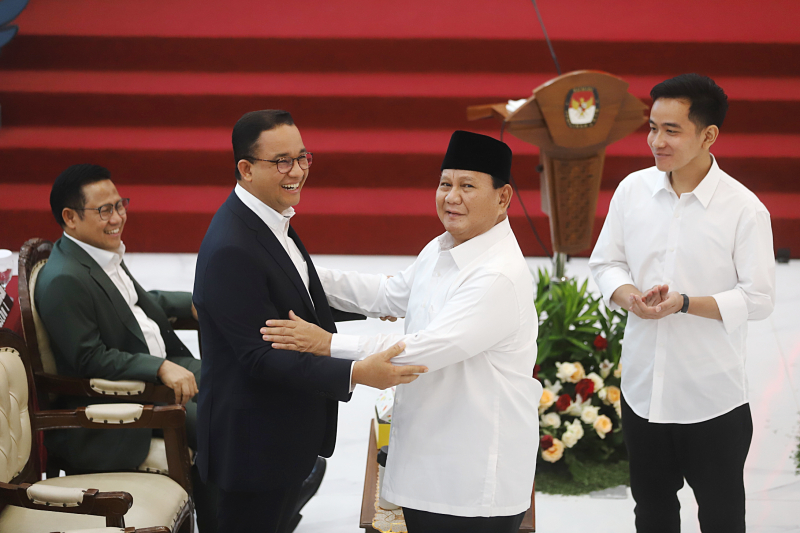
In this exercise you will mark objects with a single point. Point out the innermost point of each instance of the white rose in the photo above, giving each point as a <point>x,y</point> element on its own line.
<point>602,394</point>
<point>618,408</point>
<point>573,434</point>
<point>597,380</point>
<point>576,408</point>
<point>551,420</point>
<point>566,371</point>
<point>605,368</point>
<point>589,414</point>
<point>618,370</point>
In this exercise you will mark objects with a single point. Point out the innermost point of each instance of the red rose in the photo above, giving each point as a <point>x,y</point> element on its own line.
<point>536,369</point>
<point>585,388</point>
<point>546,443</point>
<point>563,402</point>
<point>600,342</point>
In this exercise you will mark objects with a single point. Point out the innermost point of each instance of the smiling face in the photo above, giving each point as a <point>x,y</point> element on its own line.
<point>262,179</point>
<point>678,144</point>
<point>90,228</point>
<point>468,204</point>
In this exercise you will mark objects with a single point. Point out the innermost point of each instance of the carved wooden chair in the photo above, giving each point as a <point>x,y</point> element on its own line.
<point>90,500</point>
<point>32,258</point>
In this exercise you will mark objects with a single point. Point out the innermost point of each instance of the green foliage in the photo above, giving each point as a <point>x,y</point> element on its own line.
<point>580,477</point>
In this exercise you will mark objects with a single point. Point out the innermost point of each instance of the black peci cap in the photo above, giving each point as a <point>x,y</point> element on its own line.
<point>479,153</point>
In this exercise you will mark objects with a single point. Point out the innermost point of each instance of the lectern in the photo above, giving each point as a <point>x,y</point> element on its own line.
<point>571,118</point>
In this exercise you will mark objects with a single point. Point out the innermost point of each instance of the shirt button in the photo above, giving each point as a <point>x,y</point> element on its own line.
<point>672,249</point>
<point>677,215</point>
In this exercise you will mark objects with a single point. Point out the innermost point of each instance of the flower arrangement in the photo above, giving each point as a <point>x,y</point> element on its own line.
<point>578,364</point>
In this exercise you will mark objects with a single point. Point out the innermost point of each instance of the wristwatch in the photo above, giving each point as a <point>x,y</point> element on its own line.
<point>685,308</point>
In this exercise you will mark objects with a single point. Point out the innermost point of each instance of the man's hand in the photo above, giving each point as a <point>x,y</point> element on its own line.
<point>194,312</point>
<point>378,371</point>
<point>656,295</point>
<point>670,305</point>
<point>389,318</point>
<point>297,335</point>
<point>179,380</point>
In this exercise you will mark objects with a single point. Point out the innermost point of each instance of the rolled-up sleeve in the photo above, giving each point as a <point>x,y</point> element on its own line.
<point>608,262</point>
<point>753,297</point>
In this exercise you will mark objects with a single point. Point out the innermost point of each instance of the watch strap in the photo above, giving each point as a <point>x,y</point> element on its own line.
<point>685,308</point>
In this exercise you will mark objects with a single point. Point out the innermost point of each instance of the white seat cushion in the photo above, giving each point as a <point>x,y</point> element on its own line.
<point>157,501</point>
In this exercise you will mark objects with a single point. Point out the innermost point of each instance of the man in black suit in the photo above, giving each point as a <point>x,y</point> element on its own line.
<point>265,415</point>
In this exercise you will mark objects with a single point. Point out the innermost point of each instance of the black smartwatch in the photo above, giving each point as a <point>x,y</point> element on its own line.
<point>685,308</point>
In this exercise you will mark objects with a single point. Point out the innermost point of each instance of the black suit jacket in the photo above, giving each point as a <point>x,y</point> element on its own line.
<point>264,415</point>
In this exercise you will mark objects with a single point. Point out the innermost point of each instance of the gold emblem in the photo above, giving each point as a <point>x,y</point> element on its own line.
<point>581,107</point>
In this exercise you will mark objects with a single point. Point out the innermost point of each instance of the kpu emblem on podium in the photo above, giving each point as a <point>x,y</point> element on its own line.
<point>581,107</point>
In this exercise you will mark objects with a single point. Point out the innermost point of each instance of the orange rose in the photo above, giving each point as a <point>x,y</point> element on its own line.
<point>602,426</point>
<point>547,399</point>
<point>554,453</point>
<point>613,394</point>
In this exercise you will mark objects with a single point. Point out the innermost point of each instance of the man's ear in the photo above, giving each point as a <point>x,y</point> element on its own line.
<point>245,169</point>
<point>69,216</point>
<point>506,193</point>
<point>710,135</point>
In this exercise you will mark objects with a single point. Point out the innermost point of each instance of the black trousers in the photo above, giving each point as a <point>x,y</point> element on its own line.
<point>710,455</point>
<point>256,512</point>
<point>425,522</point>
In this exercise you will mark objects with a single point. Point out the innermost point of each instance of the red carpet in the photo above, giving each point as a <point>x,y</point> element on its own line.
<point>151,89</point>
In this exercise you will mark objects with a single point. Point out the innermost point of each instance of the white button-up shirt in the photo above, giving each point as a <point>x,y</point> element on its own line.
<point>278,223</point>
<point>714,241</point>
<point>464,436</point>
<point>111,263</point>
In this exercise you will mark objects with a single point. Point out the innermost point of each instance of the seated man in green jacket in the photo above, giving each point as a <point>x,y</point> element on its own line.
<point>102,324</point>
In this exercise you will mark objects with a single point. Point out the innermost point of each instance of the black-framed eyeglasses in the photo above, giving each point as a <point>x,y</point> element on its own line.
<point>105,211</point>
<point>286,164</point>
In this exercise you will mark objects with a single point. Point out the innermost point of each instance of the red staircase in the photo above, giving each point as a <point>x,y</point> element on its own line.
<point>151,90</point>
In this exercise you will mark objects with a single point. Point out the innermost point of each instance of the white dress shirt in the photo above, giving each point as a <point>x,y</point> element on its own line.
<point>278,223</point>
<point>714,241</point>
<point>111,263</point>
<point>464,436</point>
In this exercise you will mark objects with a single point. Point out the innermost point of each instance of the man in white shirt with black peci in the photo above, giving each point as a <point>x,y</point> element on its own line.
<point>687,250</point>
<point>464,435</point>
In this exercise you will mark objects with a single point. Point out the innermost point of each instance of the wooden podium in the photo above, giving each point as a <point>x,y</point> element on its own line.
<point>571,118</point>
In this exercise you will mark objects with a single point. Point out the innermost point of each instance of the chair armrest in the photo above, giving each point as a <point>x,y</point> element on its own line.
<point>131,390</point>
<point>112,505</point>
<point>171,419</point>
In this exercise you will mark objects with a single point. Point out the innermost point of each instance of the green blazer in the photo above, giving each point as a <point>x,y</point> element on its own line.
<point>95,335</point>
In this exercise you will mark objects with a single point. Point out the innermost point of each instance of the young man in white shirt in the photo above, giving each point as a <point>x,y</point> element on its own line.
<point>464,436</point>
<point>688,251</point>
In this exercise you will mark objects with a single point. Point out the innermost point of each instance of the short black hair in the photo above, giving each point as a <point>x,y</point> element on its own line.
<point>67,190</point>
<point>708,103</point>
<point>248,129</point>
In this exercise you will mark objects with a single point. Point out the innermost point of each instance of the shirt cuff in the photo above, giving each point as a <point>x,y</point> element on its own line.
<point>352,385</point>
<point>345,346</point>
<point>732,308</point>
<point>609,282</point>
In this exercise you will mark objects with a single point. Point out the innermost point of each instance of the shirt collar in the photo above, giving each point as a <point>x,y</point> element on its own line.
<point>276,221</point>
<point>102,257</point>
<point>704,190</point>
<point>466,252</point>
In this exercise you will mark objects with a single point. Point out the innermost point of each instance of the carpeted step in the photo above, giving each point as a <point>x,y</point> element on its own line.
<point>325,100</point>
<point>345,158</point>
<point>330,220</point>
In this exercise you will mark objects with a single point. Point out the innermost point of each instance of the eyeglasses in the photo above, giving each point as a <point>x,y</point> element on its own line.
<point>286,164</point>
<point>105,211</point>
